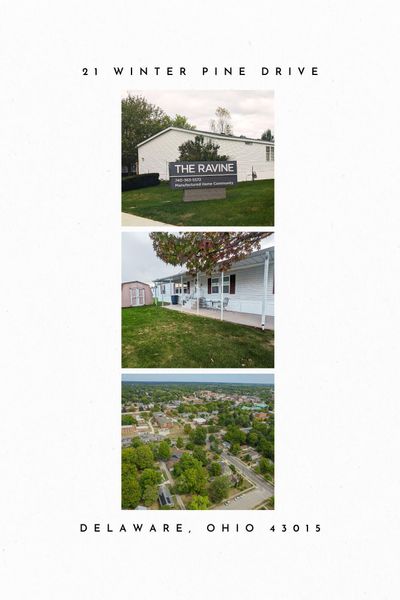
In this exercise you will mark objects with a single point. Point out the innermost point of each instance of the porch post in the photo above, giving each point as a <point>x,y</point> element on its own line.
<point>197,292</point>
<point>222,295</point>
<point>181,292</point>
<point>162,295</point>
<point>170,290</point>
<point>264,303</point>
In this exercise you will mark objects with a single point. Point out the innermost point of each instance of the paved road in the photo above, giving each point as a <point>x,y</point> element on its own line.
<point>164,468</point>
<point>248,500</point>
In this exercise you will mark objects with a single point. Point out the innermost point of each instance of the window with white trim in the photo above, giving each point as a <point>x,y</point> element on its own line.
<point>269,153</point>
<point>215,284</point>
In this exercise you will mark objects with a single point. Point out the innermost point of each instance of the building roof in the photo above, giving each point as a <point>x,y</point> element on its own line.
<point>221,136</point>
<point>141,282</point>
<point>254,258</point>
<point>164,496</point>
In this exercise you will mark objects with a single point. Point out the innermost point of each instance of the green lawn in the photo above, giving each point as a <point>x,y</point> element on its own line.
<point>156,337</point>
<point>247,203</point>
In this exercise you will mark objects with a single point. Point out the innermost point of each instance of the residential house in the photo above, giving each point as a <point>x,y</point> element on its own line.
<point>253,156</point>
<point>242,294</point>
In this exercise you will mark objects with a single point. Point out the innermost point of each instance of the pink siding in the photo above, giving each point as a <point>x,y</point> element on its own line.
<point>126,296</point>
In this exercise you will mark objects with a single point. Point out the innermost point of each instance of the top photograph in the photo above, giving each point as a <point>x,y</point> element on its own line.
<point>197,158</point>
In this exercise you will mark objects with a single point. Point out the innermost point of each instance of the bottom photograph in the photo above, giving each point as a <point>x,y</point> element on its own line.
<point>197,442</point>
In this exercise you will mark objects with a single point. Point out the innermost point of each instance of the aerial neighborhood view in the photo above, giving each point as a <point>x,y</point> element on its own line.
<point>189,443</point>
<point>198,299</point>
<point>197,158</point>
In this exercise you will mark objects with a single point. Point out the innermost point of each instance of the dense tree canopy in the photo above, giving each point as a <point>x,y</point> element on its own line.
<point>199,503</point>
<point>219,489</point>
<point>140,120</point>
<point>205,251</point>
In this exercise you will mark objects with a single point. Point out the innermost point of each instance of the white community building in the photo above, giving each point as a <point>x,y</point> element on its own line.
<point>244,294</point>
<point>252,156</point>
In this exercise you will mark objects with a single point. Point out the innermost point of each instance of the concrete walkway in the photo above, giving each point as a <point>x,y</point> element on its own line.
<point>128,220</point>
<point>230,316</point>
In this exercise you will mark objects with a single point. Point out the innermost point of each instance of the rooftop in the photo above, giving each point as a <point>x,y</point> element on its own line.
<point>254,258</point>
<point>221,136</point>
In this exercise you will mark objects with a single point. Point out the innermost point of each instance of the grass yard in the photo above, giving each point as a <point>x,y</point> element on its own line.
<point>155,337</point>
<point>247,203</point>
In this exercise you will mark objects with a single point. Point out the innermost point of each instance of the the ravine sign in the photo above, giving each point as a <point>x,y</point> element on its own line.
<point>200,175</point>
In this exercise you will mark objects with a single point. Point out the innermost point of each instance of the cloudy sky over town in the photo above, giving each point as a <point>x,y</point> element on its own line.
<point>252,111</point>
<point>140,263</point>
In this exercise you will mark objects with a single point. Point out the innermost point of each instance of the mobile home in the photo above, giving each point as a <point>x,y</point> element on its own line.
<point>242,294</point>
<point>252,156</point>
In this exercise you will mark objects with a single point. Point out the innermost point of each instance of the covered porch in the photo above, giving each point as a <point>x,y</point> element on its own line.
<point>230,316</point>
<point>242,294</point>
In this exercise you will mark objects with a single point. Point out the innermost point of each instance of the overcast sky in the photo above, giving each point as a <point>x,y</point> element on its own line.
<point>252,111</point>
<point>218,378</point>
<point>140,263</point>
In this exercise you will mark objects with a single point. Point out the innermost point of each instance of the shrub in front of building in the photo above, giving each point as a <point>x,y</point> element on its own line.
<point>140,181</point>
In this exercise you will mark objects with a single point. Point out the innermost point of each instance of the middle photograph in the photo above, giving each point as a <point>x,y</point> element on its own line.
<point>197,300</point>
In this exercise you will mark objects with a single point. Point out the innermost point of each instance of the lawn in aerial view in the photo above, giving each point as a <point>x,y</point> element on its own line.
<point>197,445</point>
<point>155,337</point>
<point>247,203</point>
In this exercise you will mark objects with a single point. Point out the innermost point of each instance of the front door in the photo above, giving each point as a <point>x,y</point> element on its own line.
<point>136,296</point>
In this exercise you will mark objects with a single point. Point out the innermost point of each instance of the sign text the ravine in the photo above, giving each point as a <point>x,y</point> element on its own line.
<point>198,174</point>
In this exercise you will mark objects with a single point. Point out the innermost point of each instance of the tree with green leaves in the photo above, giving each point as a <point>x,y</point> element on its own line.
<point>129,456</point>
<point>199,503</point>
<point>235,435</point>
<point>192,480</point>
<point>235,448</point>
<point>150,477</point>
<point>201,455</point>
<point>190,475</point>
<point>200,149</point>
<point>164,451</point>
<point>181,122</point>
<point>179,442</point>
<point>145,457</point>
<point>266,466</point>
<point>128,420</point>
<point>199,436</point>
<point>131,492</point>
<point>215,469</point>
<point>208,251</point>
<point>150,495</point>
<point>140,120</point>
<point>268,136</point>
<point>219,489</point>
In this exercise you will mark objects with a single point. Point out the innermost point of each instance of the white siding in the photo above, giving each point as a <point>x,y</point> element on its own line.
<point>249,293</point>
<point>155,155</point>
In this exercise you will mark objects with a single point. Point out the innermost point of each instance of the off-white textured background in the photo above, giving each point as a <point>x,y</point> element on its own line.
<point>337,300</point>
